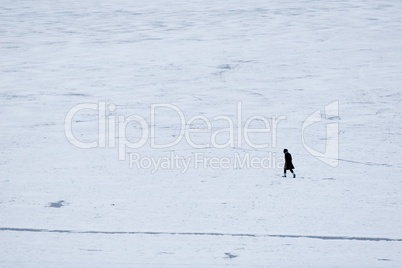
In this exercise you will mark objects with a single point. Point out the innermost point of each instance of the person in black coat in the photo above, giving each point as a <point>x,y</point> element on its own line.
<point>288,163</point>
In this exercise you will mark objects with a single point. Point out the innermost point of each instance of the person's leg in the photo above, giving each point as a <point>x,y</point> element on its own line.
<point>294,175</point>
<point>284,173</point>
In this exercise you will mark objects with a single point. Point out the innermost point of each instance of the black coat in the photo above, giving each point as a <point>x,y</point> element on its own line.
<point>288,161</point>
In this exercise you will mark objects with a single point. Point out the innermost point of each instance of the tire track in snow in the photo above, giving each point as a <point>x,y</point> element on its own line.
<point>32,230</point>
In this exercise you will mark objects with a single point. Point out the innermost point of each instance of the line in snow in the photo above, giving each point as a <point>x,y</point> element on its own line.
<point>32,230</point>
<point>362,163</point>
<point>356,162</point>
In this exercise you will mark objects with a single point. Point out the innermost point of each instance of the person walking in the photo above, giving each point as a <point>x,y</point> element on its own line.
<point>288,163</point>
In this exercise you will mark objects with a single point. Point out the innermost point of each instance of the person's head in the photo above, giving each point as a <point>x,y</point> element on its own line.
<point>285,151</point>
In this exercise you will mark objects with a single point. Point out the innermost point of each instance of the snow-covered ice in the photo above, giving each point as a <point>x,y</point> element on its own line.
<point>69,207</point>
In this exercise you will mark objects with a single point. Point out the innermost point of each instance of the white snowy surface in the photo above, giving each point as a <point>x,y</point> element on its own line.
<point>277,57</point>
